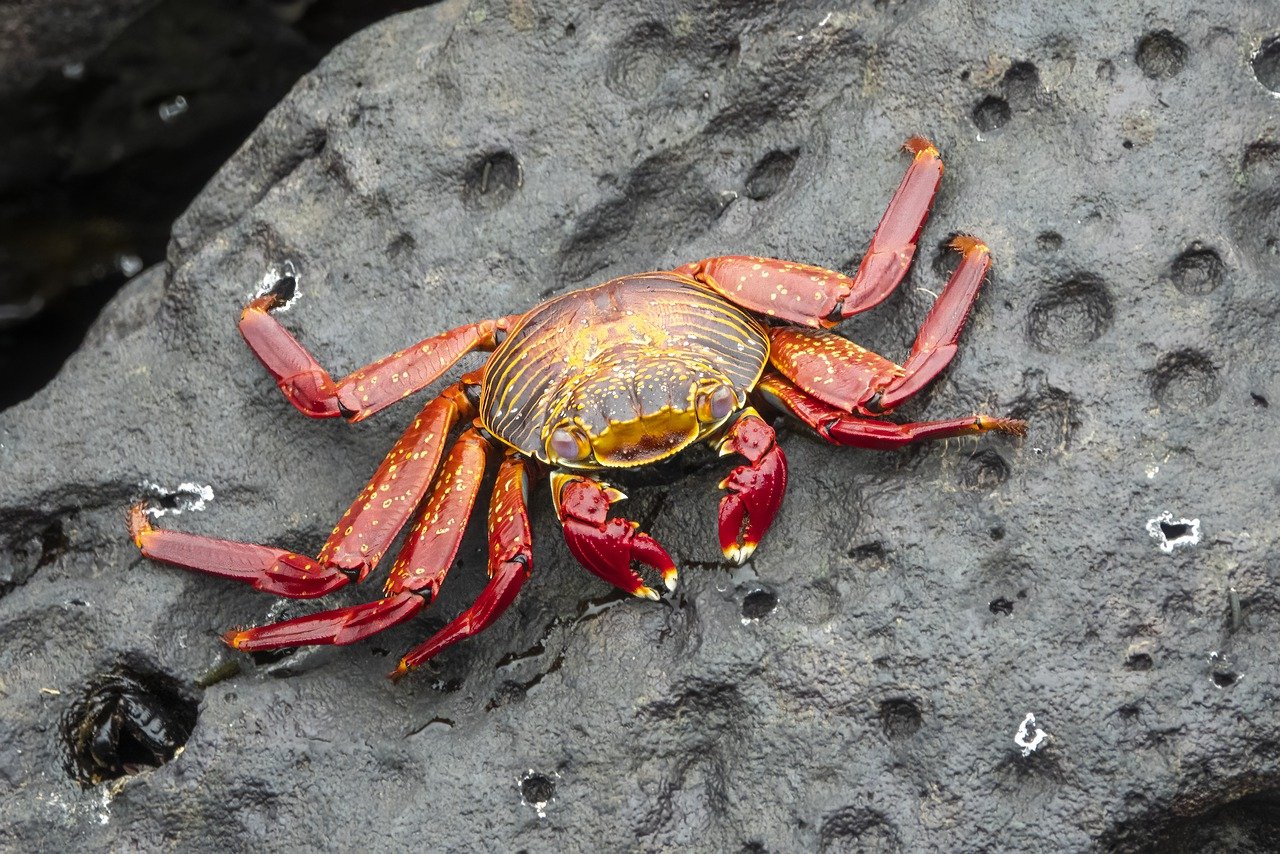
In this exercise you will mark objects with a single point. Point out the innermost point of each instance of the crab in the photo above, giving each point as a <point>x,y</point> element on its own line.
<point>598,380</point>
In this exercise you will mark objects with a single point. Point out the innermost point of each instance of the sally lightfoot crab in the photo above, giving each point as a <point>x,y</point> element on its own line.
<point>610,377</point>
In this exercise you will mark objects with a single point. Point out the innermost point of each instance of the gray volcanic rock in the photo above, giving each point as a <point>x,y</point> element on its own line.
<point>860,684</point>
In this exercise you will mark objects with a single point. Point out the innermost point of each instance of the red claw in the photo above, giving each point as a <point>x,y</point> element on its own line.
<point>606,546</point>
<point>755,490</point>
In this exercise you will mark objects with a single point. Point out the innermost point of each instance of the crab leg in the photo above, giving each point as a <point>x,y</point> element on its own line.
<point>893,244</point>
<point>935,343</point>
<point>755,490</point>
<point>313,392</point>
<point>839,372</point>
<point>510,563</point>
<point>358,541</point>
<point>606,547</point>
<point>821,298</point>
<point>418,572</point>
<point>842,428</point>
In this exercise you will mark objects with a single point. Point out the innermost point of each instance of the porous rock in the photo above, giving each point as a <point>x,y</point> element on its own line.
<point>859,685</point>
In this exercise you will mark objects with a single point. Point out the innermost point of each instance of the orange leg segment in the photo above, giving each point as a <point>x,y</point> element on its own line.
<point>418,572</point>
<point>893,244</point>
<point>935,343</point>
<point>838,372</point>
<point>820,298</point>
<point>357,543</point>
<point>268,569</point>
<point>841,428</point>
<point>313,392</point>
<point>510,563</point>
<point>432,544</point>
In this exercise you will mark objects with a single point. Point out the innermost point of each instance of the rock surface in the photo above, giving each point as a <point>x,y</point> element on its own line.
<point>859,685</point>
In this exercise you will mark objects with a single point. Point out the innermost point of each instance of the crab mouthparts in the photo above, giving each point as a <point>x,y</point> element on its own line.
<point>645,440</point>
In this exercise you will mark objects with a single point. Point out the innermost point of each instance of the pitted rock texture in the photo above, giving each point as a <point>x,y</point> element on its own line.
<point>859,685</point>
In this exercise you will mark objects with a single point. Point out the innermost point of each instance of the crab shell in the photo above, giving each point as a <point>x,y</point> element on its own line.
<point>634,369</point>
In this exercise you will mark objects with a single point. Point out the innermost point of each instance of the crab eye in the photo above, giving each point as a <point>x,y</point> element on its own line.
<point>568,444</point>
<point>717,404</point>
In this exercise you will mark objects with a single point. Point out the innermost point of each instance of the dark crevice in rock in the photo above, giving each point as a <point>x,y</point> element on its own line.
<point>131,717</point>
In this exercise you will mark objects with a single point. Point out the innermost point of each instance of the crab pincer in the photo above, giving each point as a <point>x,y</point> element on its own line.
<point>607,546</point>
<point>755,490</point>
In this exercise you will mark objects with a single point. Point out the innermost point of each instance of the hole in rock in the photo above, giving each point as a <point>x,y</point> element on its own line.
<point>1001,606</point>
<point>1261,163</point>
<point>900,718</point>
<point>760,602</point>
<point>1225,678</point>
<point>537,788</point>
<point>1021,84</point>
<point>856,828</point>
<point>130,718</point>
<point>1139,661</point>
<point>1185,381</point>
<point>1198,270</point>
<point>1266,65</point>
<point>1170,533</point>
<point>984,470</point>
<point>1070,315</point>
<point>991,113</point>
<point>768,176</point>
<point>1049,241</point>
<point>1214,818</point>
<point>280,282</point>
<point>1161,55</point>
<point>493,179</point>
<point>946,258</point>
<point>264,657</point>
<point>868,551</point>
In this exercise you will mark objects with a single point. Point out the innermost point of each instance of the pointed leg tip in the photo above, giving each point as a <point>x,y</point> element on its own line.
<point>968,244</point>
<point>646,592</point>
<point>139,522</point>
<point>401,671</point>
<point>1013,426</point>
<point>235,638</point>
<point>264,303</point>
<point>918,145</point>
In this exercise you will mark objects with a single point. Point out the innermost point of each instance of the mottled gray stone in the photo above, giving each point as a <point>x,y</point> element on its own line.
<point>926,600</point>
